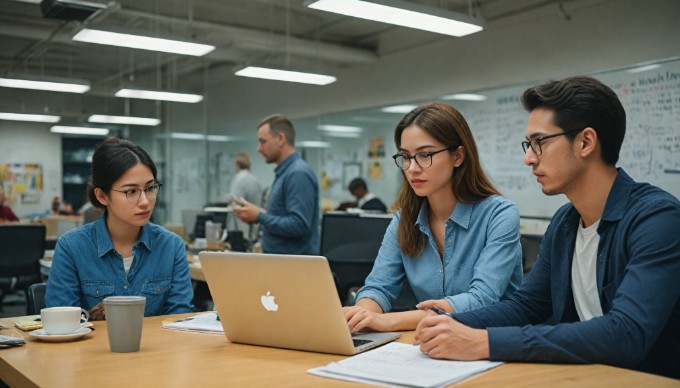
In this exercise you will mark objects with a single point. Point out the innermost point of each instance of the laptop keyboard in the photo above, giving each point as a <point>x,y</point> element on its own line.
<point>359,342</point>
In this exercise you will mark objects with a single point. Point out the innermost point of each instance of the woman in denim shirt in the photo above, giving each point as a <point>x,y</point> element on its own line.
<point>454,238</point>
<point>121,253</point>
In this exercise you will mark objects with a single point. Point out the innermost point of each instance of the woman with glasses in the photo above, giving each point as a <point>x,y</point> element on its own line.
<point>455,239</point>
<point>121,253</point>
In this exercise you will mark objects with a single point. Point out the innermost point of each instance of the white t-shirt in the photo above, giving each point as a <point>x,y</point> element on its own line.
<point>584,272</point>
<point>127,263</point>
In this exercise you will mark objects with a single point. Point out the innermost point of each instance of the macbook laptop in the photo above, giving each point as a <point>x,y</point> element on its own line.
<point>283,301</point>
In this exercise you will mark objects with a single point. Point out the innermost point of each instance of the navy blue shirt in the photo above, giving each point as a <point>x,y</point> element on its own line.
<point>638,282</point>
<point>291,223</point>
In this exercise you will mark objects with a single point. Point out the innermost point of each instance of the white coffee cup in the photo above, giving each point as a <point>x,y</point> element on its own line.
<point>63,320</point>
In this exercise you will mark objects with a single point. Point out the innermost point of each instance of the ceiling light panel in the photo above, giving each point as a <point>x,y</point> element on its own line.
<point>79,130</point>
<point>125,120</point>
<point>285,75</point>
<point>29,117</point>
<point>43,83</point>
<point>405,14</point>
<point>159,95</point>
<point>398,108</point>
<point>119,39</point>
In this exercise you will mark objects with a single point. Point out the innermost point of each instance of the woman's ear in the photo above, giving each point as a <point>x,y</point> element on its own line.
<point>459,155</point>
<point>101,196</point>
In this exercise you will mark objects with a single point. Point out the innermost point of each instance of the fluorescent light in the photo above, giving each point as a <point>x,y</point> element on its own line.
<point>313,144</point>
<point>199,136</point>
<point>29,117</point>
<point>399,108</point>
<point>44,83</point>
<point>123,120</point>
<point>285,75</point>
<point>340,128</point>
<point>405,14</point>
<point>159,95</point>
<point>142,42</point>
<point>342,134</point>
<point>465,97</point>
<point>79,130</point>
<point>640,69</point>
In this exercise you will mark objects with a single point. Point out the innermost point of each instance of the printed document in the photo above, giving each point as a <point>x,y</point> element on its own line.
<point>400,364</point>
<point>204,323</point>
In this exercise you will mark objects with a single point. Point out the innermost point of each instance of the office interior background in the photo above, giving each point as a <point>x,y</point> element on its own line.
<point>632,45</point>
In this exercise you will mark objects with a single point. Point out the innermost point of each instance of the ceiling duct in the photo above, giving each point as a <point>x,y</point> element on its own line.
<point>69,9</point>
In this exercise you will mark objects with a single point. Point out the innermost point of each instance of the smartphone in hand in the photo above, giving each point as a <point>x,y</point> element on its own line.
<point>238,201</point>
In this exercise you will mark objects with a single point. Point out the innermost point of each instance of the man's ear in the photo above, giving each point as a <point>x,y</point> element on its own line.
<point>588,141</point>
<point>101,196</point>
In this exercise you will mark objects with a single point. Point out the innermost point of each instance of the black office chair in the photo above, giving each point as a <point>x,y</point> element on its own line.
<point>21,247</point>
<point>35,298</point>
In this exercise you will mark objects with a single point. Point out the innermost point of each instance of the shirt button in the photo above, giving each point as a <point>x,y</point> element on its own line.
<point>125,287</point>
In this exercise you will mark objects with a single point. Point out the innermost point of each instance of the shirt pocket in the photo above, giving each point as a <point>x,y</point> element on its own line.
<point>155,291</point>
<point>96,290</point>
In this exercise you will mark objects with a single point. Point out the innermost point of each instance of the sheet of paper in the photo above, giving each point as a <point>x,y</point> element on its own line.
<point>399,364</point>
<point>204,323</point>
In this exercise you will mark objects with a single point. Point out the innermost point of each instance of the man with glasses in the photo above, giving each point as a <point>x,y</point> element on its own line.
<point>606,284</point>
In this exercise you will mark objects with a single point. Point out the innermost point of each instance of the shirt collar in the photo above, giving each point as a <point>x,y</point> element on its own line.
<point>618,196</point>
<point>104,243</point>
<point>286,163</point>
<point>461,215</point>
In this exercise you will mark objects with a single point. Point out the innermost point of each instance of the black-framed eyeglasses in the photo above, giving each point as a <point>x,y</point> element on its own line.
<point>535,144</point>
<point>423,159</point>
<point>133,195</point>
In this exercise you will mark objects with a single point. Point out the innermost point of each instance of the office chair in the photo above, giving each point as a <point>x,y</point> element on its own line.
<point>35,298</point>
<point>21,247</point>
<point>531,244</point>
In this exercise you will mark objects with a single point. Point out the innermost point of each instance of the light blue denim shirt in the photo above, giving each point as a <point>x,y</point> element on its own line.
<point>291,223</point>
<point>482,261</point>
<point>86,269</point>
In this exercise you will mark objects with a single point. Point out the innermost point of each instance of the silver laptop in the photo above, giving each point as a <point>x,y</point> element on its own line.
<point>282,301</point>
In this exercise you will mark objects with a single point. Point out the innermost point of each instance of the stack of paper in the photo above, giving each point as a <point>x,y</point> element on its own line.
<point>204,323</point>
<point>402,365</point>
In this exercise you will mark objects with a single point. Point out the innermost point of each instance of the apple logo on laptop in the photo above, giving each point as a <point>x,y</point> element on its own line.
<point>268,302</point>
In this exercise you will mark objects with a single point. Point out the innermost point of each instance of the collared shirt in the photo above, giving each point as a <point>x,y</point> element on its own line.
<point>86,269</point>
<point>638,284</point>
<point>291,223</point>
<point>482,261</point>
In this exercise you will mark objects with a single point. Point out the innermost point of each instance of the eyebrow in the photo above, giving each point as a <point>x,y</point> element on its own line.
<point>535,135</point>
<point>419,149</point>
<point>135,185</point>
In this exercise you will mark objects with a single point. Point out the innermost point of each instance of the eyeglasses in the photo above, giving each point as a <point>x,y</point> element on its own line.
<point>423,159</point>
<point>535,144</point>
<point>133,195</point>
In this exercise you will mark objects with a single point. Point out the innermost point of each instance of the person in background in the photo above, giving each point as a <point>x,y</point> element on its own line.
<point>121,253</point>
<point>604,288</point>
<point>6,213</point>
<point>365,199</point>
<point>245,185</point>
<point>291,222</point>
<point>454,237</point>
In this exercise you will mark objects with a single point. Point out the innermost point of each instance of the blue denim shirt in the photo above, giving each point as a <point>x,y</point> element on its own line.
<point>291,223</point>
<point>638,282</point>
<point>86,269</point>
<point>482,260</point>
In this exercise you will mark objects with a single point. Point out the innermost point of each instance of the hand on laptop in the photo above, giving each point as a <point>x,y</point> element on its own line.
<point>359,318</point>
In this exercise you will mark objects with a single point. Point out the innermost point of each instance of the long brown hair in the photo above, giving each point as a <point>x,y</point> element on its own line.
<point>469,184</point>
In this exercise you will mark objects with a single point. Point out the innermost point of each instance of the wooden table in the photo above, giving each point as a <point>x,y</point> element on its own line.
<point>174,358</point>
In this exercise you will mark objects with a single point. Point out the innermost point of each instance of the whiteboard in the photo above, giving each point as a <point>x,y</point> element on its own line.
<point>650,151</point>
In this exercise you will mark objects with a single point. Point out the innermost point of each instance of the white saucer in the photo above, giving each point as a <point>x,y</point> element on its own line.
<point>42,335</point>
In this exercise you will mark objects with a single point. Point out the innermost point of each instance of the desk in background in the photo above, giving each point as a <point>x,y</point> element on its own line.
<point>175,358</point>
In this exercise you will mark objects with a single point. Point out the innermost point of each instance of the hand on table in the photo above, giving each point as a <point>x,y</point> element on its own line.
<point>97,313</point>
<point>441,336</point>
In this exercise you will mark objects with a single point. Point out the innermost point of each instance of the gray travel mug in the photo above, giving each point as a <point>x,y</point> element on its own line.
<point>124,320</point>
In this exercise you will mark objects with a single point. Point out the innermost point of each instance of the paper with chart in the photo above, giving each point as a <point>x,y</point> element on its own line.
<point>399,364</point>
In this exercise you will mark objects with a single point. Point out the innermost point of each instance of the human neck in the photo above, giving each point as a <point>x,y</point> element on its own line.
<point>285,153</point>
<point>122,234</point>
<point>441,205</point>
<point>590,194</point>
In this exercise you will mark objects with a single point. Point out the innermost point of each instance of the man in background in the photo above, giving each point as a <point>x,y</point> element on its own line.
<point>604,288</point>
<point>365,199</point>
<point>291,222</point>
<point>6,213</point>
<point>245,185</point>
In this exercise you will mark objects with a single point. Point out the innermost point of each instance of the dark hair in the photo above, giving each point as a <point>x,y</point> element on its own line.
<point>357,183</point>
<point>581,102</point>
<point>112,158</point>
<point>279,123</point>
<point>470,184</point>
